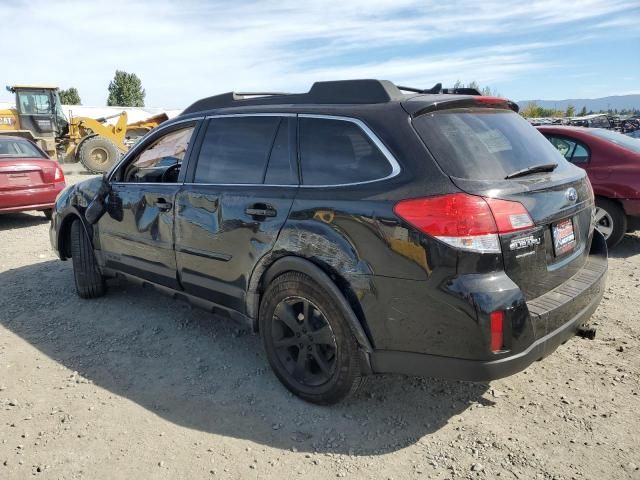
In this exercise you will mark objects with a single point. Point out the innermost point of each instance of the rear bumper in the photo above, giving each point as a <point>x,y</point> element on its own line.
<point>566,308</point>
<point>30,199</point>
<point>27,207</point>
<point>631,207</point>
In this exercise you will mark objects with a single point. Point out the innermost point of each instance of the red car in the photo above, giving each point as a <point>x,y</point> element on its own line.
<point>612,162</point>
<point>29,179</point>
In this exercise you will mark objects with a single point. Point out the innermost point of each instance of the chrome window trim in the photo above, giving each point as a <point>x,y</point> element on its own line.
<point>258,114</point>
<point>395,166</point>
<point>125,157</point>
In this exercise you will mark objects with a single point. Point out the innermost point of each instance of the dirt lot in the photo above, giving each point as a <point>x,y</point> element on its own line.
<point>137,385</point>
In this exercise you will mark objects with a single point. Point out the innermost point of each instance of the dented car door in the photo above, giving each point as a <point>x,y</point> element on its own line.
<point>230,213</point>
<point>136,233</point>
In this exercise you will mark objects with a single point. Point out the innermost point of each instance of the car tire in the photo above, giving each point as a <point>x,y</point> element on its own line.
<point>610,221</point>
<point>322,370</point>
<point>98,154</point>
<point>89,281</point>
<point>48,213</point>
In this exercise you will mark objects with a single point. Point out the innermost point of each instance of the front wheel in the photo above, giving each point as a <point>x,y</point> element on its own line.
<point>88,279</point>
<point>611,221</point>
<point>308,341</point>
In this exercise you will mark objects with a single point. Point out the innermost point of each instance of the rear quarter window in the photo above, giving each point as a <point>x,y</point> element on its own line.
<point>483,144</point>
<point>336,152</point>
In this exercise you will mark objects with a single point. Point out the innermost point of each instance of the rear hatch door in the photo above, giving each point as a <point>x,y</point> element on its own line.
<point>482,150</point>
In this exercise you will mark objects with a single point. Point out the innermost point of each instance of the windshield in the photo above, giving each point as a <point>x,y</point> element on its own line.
<point>484,144</point>
<point>624,141</point>
<point>34,103</point>
<point>13,148</point>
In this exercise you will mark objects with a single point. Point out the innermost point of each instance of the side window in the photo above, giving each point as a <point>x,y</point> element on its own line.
<point>580,154</point>
<point>564,146</point>
<point>572,150</point>
<point>334,152</point>
<point>160,161</point>
<point>281,169</point>
<point>236,149</point>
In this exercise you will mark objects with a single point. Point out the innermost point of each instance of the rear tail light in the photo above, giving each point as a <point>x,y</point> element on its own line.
<point>464,221</point>
<point>496,320</point>
<point>59,175</point>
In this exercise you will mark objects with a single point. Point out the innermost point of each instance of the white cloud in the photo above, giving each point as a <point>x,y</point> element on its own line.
<point>183,50</point>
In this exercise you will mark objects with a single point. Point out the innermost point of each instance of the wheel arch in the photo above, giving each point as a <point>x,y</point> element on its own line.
<point>64,232</point>
<point>337,286</point>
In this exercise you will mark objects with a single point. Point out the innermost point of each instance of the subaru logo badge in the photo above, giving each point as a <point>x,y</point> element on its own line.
<point>572,194</point>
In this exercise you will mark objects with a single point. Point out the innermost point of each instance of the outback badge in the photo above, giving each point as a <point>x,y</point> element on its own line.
<point>524,242</point>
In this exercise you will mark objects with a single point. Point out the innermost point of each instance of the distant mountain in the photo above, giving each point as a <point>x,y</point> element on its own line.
<point>592,104</point>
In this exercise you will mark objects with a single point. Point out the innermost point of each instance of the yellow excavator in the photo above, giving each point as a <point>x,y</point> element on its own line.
<point>38,116</point>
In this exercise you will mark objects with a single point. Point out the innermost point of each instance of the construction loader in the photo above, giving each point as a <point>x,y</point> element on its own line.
<point>38,116</point>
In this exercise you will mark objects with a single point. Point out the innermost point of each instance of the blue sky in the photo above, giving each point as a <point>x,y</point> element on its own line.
<point>184,50</point>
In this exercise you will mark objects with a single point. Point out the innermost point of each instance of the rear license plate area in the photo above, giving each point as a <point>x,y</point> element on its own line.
<point>564,236</point>
<point>19,180</point>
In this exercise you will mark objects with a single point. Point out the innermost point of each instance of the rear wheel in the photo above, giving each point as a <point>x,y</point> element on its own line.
<point>98,154</point>
<point>88,279</point>
<point>611,221</point>
<point>308,341</point>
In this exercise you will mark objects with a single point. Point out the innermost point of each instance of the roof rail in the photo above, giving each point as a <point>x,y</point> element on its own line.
<point>333,92</point>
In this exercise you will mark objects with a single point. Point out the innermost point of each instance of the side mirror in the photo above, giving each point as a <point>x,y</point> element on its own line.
<point>98,206</point>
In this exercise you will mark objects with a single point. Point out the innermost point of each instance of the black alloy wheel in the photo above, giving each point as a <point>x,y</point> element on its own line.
<point>304,341</point>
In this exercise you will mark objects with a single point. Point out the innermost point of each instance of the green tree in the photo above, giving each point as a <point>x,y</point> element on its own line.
<point>487,91</point>
<point>125,90</point>
<point>70,96</point>
<point>583,112</point>
<point>571,111</point>
<point>533,110</point>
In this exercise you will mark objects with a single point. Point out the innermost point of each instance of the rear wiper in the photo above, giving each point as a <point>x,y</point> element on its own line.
<point>545,167</point>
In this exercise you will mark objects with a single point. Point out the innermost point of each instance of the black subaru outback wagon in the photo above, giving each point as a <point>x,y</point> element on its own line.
<point>358,228</point>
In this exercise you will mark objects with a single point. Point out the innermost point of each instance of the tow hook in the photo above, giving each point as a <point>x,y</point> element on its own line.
<point>587,332</point>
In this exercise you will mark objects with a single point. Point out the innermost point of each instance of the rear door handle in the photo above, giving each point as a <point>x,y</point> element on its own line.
<point>163,205</point>
<point>261,210</point>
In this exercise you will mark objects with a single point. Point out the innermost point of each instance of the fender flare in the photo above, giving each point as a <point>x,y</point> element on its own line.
<point>298,264</point>
<point>65,223</point>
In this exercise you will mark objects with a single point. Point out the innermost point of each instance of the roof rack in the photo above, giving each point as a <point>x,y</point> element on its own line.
<point>333,92</point>
<point>365,91</point>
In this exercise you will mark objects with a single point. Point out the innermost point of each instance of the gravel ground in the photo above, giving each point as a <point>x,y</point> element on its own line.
<point>137,385</point>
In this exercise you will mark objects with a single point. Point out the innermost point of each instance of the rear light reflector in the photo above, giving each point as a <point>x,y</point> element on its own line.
<point>496,320</point>
<point>510,216</point>
<point>59,175</point>
<point>467,222</point>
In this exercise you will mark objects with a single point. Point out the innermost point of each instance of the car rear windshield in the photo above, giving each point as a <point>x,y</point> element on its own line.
<point>624,141</point>
<point>483,144</point>
<point>10,148</point>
